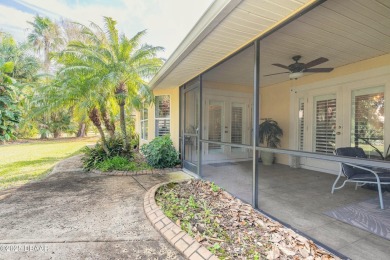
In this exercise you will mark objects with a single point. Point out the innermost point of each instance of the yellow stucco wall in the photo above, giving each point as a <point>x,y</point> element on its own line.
<point>275,99</point>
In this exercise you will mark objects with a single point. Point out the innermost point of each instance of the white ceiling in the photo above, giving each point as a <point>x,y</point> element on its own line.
<point>237,70</point>
<point>342,31</point>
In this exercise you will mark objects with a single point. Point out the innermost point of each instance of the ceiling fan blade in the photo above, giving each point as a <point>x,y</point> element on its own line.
<point>316,62</point>
<point>318,70</point>
<point>281,66</point>
<point>276,74</point>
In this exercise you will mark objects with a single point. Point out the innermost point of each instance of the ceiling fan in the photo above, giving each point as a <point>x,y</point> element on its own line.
<point>297,69</point>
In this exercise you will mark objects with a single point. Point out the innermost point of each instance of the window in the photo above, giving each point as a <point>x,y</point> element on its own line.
<point>368,118</point>
<point>144,123</point>
<point>163,115</point>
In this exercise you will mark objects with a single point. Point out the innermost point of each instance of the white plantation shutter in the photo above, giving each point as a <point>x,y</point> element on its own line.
<point>215,124</point>
<point>301,124</point>
<point>324,124</point>
<point>162,115</point>
<point>144,123</point>
<point>236,125</point>
<point>163,127</point>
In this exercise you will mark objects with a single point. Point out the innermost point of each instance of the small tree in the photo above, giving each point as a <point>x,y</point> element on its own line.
<point>9,112</point>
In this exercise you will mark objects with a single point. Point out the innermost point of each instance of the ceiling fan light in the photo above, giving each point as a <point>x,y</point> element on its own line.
<point>295,75</point>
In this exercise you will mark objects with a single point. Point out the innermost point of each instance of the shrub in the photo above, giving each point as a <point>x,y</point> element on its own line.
<point>115,146</point>
<point>116,163</point>
<point>93,156</point>
<point>134,141</point>
<point>160,152</point>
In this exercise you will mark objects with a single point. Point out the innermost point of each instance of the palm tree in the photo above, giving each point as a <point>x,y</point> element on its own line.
<point>45,37</point>
<point>121,64</point>
<point>76,91</point>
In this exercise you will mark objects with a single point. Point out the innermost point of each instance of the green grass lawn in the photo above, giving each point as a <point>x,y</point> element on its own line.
<point>23,162</point>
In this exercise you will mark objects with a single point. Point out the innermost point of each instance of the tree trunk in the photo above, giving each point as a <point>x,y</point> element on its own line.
<point>123,127</point>
<point>94,116</point>
<point>107,122</point>
<point>57,134</point>
<point>81,132</point>
<point>104,142</point>
<point>46,62</point>
<point>44,136</point>
<point>121,94</point>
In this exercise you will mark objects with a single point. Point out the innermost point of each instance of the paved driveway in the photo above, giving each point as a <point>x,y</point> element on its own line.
<point>73,215</point>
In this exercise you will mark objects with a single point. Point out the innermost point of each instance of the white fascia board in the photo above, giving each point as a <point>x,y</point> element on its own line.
<point>218,10</point>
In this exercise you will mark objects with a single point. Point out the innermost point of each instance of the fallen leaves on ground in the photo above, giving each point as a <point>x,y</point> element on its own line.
<point>230,228</point>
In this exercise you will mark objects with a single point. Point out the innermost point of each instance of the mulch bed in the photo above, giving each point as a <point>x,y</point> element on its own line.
<point>230,228</point>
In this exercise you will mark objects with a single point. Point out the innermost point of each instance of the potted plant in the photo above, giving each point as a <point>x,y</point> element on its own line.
<point>270,135</point>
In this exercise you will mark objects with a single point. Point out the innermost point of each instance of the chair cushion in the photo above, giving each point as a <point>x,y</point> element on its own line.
<point>351,152</point>
<point>357,152</point>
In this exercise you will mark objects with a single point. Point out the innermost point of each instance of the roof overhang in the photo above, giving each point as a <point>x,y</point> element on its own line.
<point>226,27</point>
<point>345,32</point>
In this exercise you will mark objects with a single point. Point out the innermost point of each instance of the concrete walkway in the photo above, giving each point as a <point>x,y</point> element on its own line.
<point>76,215</point>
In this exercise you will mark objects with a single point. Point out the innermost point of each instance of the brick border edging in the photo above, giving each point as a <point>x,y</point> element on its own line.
<point>136,173</point>
<point>178,238</point>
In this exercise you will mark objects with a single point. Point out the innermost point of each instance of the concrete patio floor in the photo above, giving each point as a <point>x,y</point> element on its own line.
<point>299,198</point>
<point>78,215</point>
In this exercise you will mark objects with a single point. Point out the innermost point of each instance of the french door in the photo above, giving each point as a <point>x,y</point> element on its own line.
<point>227,119</point>
<point>342,117</point>
<point>320,127</point>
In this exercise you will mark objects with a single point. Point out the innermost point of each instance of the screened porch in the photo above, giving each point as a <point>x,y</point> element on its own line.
<point>336,100</point>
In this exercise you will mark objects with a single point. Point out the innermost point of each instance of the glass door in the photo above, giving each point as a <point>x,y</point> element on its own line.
<point>190,104</point>
<point>324,133</point>
<point>368,121</point>
<point>239,129</point>
<point>227,121</point>
<point>349,116</point>
<point>216,126</point>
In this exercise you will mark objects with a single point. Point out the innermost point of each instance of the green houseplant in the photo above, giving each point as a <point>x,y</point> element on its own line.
<point>270,134</point>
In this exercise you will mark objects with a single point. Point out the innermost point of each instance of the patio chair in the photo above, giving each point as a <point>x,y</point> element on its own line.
<point>360,174</point>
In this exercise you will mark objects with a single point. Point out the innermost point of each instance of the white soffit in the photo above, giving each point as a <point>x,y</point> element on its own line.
<point>345,32</point>
<point>225,27</point>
